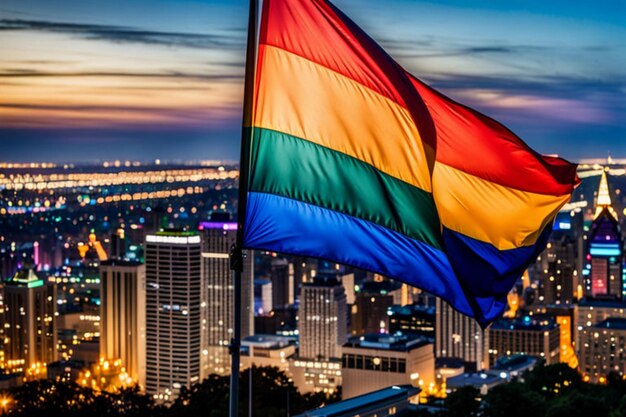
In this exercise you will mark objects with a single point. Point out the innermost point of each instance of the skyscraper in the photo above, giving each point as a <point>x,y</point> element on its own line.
<point>604,298</point>
<point>323,321</point>
<point>29,328</point>
<point>282,283</point>
<point>459,336</point>
<point>558,270</point>
<point>605,251</point>
<point>369,312</point>
<point>604,349</point>
<point>218,295</point>
<point>173,318</point>
<point>123,316</point>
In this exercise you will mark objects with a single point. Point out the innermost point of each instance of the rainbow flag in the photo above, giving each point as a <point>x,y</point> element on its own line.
<point>353,160</point>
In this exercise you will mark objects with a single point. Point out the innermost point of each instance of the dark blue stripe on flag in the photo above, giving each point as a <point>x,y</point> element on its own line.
<point>485,273</point>
<point>284,225</point>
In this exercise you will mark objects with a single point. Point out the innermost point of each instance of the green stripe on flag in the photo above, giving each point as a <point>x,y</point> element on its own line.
<point>291,167</point>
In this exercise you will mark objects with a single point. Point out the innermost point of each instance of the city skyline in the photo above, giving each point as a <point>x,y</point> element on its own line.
<point>554,321</point>
<point>85,82</point>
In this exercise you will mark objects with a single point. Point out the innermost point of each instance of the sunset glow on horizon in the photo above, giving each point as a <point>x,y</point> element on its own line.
<point>165,78</point>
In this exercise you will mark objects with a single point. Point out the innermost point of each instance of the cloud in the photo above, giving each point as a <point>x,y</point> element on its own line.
<point>27,73</point>
<point>121,34</point>
<point>551,99</point>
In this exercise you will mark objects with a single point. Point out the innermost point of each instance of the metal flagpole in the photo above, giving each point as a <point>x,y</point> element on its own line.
<point>236,256</point>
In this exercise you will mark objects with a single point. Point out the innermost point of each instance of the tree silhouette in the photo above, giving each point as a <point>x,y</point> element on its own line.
<point>554,380</point>
<point>513,400</point>
<point>464,402</point>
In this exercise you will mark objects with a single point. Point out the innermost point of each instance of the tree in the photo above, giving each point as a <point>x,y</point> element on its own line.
<point>513,400</point>
<point>577,404</point>
<point>620,410</point>
<point>273,394</point>
<point>67,399</point>
<point>554,380</point>
<point>464,402</point>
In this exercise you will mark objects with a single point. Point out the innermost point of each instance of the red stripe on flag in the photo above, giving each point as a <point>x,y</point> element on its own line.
<point>476,144</point>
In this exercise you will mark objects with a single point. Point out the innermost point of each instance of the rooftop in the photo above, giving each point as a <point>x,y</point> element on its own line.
<point>452,363</point>
<point>120,262</point>
<point>176,232</point>
<point>324,280</point>
<point>26,277</point>
<point>399,343</point>
<point>356,405</point>
<point>217,225</point>
<point>515,363</point>
<point>588,302</point>
<point>412,309</point>
<point>179,237</point>
<point>612,323</point>
<point>268,341</point>
<point>525,323</point>
<point>476,380</point>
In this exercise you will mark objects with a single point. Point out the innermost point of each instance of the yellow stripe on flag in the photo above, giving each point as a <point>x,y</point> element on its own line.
<point>304,99</point>
<point>505,217</point>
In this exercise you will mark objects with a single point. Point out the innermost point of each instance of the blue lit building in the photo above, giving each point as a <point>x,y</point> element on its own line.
<point>604,292</point>
<point>603,270</point>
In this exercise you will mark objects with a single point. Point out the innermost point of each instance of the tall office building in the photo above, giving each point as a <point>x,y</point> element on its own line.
<point>282,278</point>
<point>536,336</point>
<point>412,319</point>
<point>369,312</point>
<point>604,300</point>
<point>558,270</point>
<point>218,295</point>
<point>603,349</point>
<point>323,321</point>
<point>262,296</point>
<point>29,320</point>
<point>459,336</point>
<point>173,318</point>
<point>605,251</point>
<point>123,316</point>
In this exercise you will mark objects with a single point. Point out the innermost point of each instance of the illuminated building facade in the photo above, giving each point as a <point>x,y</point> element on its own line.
<point>603,271</point>
<point>412,319</point>
<point>218,295</point>
<point>123,316</point>
<point>29,321</point>
<point>263,296</point>
<point>173,317</point>
<point>268,350</point>
<point>566,316</point>
<point>557,270</point>
<point>459,336</point>
<point>323,318</point>
<point>604,349</point>
<point>604,300</point>
<point>591,314</point>
<point>283,285</point>
<point>558,275</point>
<point>373,362</point>
<point>528,336</point>
<point>312,375</point>
<point>369,311</point>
